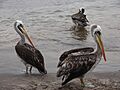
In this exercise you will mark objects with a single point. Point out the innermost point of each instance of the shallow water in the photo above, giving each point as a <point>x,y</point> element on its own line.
<point>49,25</point>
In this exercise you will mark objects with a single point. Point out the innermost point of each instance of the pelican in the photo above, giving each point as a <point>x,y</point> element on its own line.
<point>77,62</point>
<point>80,19</point>
<point>30,56</point>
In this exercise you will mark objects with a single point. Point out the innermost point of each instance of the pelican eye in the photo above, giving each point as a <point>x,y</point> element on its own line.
<point>19,27</point>
<point>98,32</point>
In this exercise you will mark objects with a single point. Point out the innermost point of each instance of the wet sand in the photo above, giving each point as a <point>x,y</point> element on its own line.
<point>101,81</point>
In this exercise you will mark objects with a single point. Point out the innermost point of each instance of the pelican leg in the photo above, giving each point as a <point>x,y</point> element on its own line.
<point>30,69</point>
<point>26,69</point>
<point>82,82</point>
<point>63,77</point>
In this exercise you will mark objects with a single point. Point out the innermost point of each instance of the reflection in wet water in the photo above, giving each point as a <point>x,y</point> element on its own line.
<point>79,33</point>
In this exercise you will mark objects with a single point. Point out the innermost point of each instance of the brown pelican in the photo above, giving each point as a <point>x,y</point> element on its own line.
<point>29,55</point>
<point>72,65</point>
<point>79,19</point>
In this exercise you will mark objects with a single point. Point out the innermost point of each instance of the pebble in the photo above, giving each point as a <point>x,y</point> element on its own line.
<point>105,81</point>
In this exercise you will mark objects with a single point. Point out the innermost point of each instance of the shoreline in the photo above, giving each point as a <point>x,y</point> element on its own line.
<point>100,81</point>
<point>12,63</point>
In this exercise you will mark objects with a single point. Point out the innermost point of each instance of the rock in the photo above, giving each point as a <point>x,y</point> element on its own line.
<point>42,86</point>
<point>89,85</point>
<point>105,81</point>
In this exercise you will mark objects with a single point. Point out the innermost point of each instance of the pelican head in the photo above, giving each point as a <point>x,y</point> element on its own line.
<point>96,34</point>
<point>21,30</point>
<point>82,10</point>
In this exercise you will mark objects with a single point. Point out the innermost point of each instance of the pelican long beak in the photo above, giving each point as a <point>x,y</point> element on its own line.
<point>101,46</point>
<point>27,36</point>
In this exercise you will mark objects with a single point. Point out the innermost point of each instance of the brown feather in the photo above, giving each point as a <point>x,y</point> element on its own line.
<point>31,56</point>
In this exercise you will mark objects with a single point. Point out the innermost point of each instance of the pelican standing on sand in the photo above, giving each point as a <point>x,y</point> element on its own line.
<point>29,55</point>
<point>73,65</point>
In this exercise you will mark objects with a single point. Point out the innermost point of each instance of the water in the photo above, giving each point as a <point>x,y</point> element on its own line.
<point>49,25</point>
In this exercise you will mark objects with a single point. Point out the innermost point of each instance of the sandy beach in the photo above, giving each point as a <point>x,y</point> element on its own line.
<point>97,81</point>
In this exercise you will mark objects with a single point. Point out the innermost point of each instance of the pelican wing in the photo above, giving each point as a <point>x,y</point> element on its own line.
<point>30,55</point>
<point>80,51</point>
<point>77,64</point>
